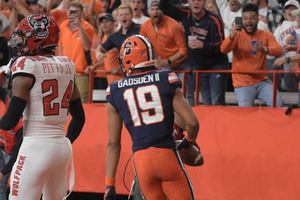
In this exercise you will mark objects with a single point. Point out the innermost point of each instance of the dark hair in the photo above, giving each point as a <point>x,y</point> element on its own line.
<point>250,7</point>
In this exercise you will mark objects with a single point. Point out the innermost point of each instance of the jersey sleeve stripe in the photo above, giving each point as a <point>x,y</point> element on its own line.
<point>173,78</point>
<point>108,91</point>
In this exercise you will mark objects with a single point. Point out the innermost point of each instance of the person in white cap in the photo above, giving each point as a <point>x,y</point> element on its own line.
<point>281,34</point>
<point>296,58</point>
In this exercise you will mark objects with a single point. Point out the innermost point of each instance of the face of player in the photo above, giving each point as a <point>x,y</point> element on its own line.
<point>234,5</point>
<point>107,26</point>
<point>155,14</point>
<point>250,21</point>
<point>125,18</point>
<point>137,6</point>
<point>288,11</point>
<point>197,6</point>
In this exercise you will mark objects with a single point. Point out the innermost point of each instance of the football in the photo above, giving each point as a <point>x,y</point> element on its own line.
<point>191,155</point>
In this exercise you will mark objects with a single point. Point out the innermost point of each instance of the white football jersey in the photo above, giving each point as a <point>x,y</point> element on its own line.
<point>46,110</point>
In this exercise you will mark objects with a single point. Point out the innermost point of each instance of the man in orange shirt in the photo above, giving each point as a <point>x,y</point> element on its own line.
<point>75,42</point>
<point>168,39</point>
<point>111,61</point>
<point>250,47</point>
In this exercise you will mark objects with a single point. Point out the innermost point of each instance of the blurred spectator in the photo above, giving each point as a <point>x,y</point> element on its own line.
<point>229,11</point>
<point>115,16</point>
<point>3,48</point>
<point>168,39</point>
<point>137,7</point>
<point>4,23</point>
<point>91,9</point>
<point>204,33</point>
<point>281,34</point>
<point>110,59</point>
<point>296,58</point>
<point>75,42</point>
<point>128,28</point>
<point>270,17</point>
<point>60,13</point>
<point>35,7</point>
<point>251,55</point>
<point>117,3</point>
<point>211,6</point>
<point>106,6</point>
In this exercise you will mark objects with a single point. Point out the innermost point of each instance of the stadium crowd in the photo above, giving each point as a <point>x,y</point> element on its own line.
<point>187,35</point>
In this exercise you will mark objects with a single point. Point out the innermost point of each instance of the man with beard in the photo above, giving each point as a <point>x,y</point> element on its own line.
<point>204,33</point>
<point>128,28</point>
<point>250,47</point>
<point>168,39</point>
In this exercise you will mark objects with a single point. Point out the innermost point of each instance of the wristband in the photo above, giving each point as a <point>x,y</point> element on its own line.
<point>288,60</point>
<point>110,181</point>
<point>169,61</point>
<point>189,139</point>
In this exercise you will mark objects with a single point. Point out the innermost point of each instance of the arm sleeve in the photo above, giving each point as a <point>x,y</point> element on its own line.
<point>273,46</point>
<point>218,35</point>
<point>8,167</point>
<point>77,121</point>
<point>13,114</point>
<point>228,45</point>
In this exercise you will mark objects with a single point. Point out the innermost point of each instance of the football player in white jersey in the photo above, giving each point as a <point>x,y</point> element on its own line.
<point>43,91</point>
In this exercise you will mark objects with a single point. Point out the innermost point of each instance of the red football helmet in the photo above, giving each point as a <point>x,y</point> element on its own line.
<point>136,52</point>
<point>34,33</point>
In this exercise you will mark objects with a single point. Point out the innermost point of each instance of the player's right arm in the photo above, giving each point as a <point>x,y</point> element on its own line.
<point>184,110</point>
<point>78,116</point>
<point>21,86</point>
<point>114,126</point>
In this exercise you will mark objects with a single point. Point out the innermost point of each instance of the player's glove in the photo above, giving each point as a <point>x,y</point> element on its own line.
<point>177,132</point>
<point>110,193</point>
<point>184,143</point>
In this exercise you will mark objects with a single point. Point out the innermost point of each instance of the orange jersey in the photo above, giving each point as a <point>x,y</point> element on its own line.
<point>244,60</point>
<point>72,45</point>
<point>168,39</point>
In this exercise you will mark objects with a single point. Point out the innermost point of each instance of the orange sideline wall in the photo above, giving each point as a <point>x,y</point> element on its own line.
<point>250,153</point>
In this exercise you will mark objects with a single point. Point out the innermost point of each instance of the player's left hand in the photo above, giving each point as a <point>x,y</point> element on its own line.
<point>110,193</point>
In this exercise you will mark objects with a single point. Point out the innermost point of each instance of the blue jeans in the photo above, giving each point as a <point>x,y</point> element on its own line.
<point>189,88</point>
<point>190,80</point>
<point>263,91</point>
<point>3,183</point>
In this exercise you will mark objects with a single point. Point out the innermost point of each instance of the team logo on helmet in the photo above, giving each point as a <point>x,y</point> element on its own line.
<point>127,48</point>
<point>39,25</point>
